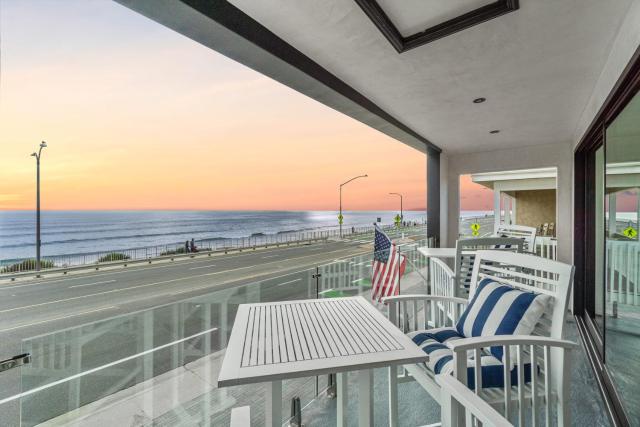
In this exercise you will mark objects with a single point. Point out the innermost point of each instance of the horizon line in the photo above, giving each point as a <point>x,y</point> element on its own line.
<point>213,210</point>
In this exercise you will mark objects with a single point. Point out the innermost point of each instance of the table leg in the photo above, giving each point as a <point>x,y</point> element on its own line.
<point>341,405</point>
<point>273,404</point>
<point>393,396</point>
<point>365,398</point>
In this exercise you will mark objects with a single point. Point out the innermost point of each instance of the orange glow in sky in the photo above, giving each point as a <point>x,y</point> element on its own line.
<point>474,197</point>
<point>139,117</point>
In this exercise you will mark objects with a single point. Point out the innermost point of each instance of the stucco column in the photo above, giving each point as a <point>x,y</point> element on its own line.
<point>496,209</point>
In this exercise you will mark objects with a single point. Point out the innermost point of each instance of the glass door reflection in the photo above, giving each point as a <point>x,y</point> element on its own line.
<point>622,267</point>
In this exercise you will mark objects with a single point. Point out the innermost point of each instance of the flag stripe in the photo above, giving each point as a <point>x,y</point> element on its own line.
<point>387,268</point>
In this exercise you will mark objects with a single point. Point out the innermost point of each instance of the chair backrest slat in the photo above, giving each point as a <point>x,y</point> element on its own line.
<point>531,274</point>
<point>519,232</point>
<point>465,255</point>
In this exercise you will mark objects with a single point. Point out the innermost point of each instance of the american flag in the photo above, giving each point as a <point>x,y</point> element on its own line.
<point>388,267</point>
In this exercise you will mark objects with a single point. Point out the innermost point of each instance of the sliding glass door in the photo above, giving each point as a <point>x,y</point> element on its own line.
<point>607,254</point>
<point>607,247</point>
<point>622,260</point>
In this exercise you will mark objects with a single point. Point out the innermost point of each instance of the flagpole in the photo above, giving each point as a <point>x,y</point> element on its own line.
<point>399,268</point>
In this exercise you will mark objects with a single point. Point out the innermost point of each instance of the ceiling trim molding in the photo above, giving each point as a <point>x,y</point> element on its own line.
<point>402,44</point>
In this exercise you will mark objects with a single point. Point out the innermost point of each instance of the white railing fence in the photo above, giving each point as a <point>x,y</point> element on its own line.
<point>441,278</point>
<point>547,247</point>
<point>623,272</point>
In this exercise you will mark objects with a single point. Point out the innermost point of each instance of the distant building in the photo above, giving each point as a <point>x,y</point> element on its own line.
<point>524,197</point>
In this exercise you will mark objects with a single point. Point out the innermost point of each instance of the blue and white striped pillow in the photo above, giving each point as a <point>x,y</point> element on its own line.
<point>498,309</point>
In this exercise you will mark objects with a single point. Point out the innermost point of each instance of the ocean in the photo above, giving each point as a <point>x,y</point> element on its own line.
<point>79,232</point>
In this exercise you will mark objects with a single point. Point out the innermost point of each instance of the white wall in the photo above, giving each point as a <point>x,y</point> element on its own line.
<point>558,155</point>
<point>624,46</point>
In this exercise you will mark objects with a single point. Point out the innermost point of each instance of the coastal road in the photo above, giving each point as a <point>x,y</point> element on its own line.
<point>35,307</point>
<point>41,306</point>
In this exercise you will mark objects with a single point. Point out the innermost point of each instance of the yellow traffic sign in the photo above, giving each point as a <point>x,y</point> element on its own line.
<point>475,233</point>
<point>475,227</point>
<point>630,232</point>
<point>340,219</point>
<point>398,219</point>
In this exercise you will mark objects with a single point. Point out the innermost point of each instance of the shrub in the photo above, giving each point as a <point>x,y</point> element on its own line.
<point>27,265</point>
<point>173,251</point>
<point>181,250</point>
<point>113,256</point>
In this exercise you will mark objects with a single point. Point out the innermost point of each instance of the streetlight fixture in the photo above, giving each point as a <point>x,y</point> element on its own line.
<point>401,212</point>
<point>37,155</point>
<point>342,185</point>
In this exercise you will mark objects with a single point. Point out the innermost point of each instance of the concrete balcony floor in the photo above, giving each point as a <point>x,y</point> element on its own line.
<point>189,397</point>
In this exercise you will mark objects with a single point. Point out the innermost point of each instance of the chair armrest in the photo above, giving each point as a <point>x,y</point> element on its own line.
<point>464,344</point>
<point>423,297</point>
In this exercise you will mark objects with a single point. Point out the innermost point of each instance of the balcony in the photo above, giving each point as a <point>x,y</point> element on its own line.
<point>496,91</point>
<point>161,365</point>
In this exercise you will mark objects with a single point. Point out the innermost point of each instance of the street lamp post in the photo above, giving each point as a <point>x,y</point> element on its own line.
<point>37,156</point>
<point>341,185</point>
<point>401,212</point>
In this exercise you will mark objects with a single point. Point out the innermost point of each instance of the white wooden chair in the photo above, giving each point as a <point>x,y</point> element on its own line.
<point>465,256</point>
<point>519,232</point>
<point>544,349</point>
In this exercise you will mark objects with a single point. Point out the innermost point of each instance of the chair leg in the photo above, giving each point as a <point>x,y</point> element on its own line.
<point>448,409</point>
<point>564,392</point>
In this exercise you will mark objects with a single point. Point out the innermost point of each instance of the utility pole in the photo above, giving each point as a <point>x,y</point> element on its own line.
<point>341,185</point>
<point>38,155</point>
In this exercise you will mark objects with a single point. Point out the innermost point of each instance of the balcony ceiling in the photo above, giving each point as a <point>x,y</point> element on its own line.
<point>413,16</point>
<point>536,66</point>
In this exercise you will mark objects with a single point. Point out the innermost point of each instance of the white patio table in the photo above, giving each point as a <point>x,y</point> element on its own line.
<point>272,342</point>
<point>438,252</point>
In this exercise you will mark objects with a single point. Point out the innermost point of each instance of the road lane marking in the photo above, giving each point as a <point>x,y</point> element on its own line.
<point>204,266</point>
<point>239,280</point>
<point>270,256</point>
<point>290,281</point>
<point>91,284</point>
<point>163,282</point>
<point>58,318</point>
<point>99,368</point>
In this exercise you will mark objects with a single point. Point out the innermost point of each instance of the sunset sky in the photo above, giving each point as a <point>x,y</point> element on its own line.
<point>139,117</point>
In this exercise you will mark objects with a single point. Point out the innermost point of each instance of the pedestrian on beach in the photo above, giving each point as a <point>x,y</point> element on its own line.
<point>186,246</point>
<point>193,245</point>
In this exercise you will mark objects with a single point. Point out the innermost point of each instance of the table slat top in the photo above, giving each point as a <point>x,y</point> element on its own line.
<point>291,339</point>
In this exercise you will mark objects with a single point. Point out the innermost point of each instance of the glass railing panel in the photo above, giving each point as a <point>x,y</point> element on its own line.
<point>352,276</point>
<point>161,365</point>
<point>119,364</point>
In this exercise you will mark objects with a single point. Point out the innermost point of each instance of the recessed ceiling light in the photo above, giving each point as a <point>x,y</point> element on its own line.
<point>479,100</point>
<point>495,131</point>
